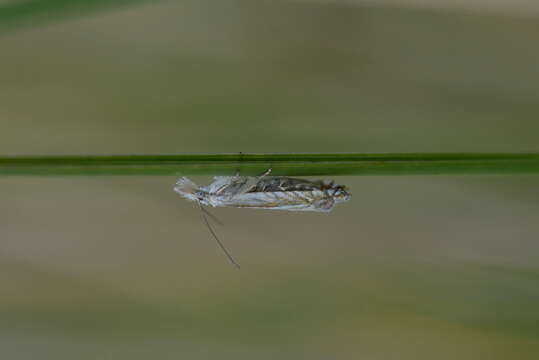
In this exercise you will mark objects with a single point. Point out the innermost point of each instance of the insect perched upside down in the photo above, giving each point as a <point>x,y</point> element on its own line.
<point>263,192</point>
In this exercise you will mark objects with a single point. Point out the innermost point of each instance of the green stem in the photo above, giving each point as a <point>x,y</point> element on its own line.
<point>281,164</point>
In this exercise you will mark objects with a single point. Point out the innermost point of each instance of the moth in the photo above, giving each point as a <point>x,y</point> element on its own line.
<point>262,192</point>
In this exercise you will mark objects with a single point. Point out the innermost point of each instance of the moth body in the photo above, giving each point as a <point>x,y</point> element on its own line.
<point>265,192</point>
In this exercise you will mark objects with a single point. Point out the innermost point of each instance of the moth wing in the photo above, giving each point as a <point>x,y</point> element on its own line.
<point>291,201</point>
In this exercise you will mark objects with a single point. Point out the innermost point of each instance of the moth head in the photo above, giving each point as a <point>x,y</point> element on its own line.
<point>190,191</point>
<point>341,193</point>
<point>202,197</point>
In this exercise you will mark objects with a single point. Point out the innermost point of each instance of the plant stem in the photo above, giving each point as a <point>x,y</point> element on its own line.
<point>281,164</point>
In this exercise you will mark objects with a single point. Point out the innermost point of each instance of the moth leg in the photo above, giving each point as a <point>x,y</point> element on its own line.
<point>251,182</point>
<point>231,186</point>
<point>226,185</point>
<point>265,174</point>
<point>221,184</point>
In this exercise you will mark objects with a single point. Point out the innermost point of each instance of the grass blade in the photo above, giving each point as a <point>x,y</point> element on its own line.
<point>282,164</point>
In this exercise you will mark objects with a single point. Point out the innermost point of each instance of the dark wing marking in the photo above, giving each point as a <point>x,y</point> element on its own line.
<point>277,184</point>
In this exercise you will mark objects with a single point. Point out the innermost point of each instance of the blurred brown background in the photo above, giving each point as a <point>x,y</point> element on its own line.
<point>411,268</point>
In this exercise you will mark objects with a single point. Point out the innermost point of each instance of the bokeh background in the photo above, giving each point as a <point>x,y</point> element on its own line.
<point>412,268</point>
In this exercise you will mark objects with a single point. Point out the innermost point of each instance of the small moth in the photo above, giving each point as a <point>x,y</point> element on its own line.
<point>263,192</point>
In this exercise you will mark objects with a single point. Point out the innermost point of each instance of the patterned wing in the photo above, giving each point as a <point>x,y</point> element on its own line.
<point>282,200</point>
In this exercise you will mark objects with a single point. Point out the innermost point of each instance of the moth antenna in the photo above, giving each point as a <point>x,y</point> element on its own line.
<point>216,238</point>
<point>213,217</point>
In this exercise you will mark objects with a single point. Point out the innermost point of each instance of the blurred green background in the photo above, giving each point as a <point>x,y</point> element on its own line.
<point>411,268</point>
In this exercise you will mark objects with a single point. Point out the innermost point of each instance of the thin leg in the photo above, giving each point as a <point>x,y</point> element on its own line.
<point>251,182</point>
<point>235,185</point>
